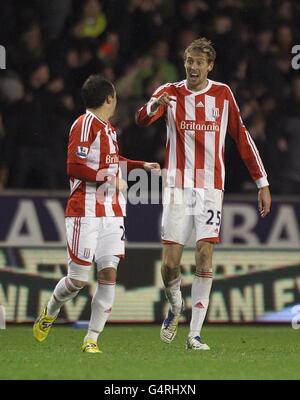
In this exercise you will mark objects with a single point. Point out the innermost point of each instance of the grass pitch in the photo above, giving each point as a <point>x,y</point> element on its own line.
<point>136,352</point>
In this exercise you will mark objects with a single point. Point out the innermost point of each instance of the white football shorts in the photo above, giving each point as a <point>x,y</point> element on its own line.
<point>187,210</point>
<point>90,238</point>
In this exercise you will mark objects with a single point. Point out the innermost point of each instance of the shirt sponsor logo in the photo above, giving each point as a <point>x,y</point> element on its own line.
<point>112,159</point>
<point>82,151</point>
<point>193,126</point>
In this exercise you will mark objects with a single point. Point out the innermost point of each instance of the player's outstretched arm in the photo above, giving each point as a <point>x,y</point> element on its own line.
<point>154,109</point>
<point>102,176</point>
<point>151,166</point>
<point>162,100</point>
<point>264,201</point>
<point>81,172</point>
<point>133,164</point>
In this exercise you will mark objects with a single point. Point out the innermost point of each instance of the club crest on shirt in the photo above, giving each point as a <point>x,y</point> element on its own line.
<point>86,253</point>
<point>216,112</point>
<point>82,151</point>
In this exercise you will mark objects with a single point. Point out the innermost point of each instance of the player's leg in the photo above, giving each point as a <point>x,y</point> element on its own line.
<point>201,288</point>
<point>82,236</point>
<point>207,223</point>
<point>102,301</point>
<point>66,289</point>
<point>111,241</point>
<point>176,229</point>
<point>81,242</point>
<point>171,276</point>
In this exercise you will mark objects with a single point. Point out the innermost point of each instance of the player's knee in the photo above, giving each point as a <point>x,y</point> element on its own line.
<point>204,251</point>
<point>170,270</point>
<point>78,284</point>
<point>78,274</point>
<point>107,275</point>
<point>170,261</point>
<point>107,268</point>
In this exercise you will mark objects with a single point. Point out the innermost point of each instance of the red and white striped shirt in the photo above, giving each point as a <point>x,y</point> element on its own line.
<point>92,147</point>
<point>197,124</point>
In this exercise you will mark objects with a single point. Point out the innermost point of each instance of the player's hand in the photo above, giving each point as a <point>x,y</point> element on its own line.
<point>151,166</point>
<point>163,100</point>
<point>264,201</point>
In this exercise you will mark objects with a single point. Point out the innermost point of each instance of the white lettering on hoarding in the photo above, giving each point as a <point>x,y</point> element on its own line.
<point>25,216</point>
<point>243,231</point>
<point>285,222</point>
<point>2,57</point>
<point>296,58</point>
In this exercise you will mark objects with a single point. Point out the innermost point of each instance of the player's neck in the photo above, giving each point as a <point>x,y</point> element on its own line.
<point>199,87</point>
<point>101,113</point>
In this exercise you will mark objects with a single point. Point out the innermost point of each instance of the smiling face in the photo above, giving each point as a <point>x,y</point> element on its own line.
<point>197,68</point>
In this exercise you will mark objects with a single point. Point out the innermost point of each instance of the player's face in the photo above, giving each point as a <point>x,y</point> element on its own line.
<point>197,68</point>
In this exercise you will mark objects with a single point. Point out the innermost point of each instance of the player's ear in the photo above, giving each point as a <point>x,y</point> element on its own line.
<point>210,67</point>
<point>109,99</point>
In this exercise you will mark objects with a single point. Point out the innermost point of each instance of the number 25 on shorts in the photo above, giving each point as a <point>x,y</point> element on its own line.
<point>214,218</point>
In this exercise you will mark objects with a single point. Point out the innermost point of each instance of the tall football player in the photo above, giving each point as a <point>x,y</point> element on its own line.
<point>95,211</point>
<point>198,113</point>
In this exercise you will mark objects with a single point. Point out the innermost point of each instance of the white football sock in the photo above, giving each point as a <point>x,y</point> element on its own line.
<point>101,307</point>
<point>174,295</point>
<point>64,291</point>
<point>201,287</point>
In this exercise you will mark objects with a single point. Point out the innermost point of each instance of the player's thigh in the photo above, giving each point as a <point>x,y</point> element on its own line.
<point>177,220</point>
<point>82,237</point>
<point>209,203</point>
<point>111,241</point>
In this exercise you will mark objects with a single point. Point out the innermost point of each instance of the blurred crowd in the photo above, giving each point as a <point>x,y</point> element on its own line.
<point>52,46</point>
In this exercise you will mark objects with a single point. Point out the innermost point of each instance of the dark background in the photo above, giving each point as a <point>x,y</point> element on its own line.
<point>52,46</point>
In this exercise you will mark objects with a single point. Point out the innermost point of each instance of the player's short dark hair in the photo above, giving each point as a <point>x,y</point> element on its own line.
<point>202,45</point>
<point>96,90</point>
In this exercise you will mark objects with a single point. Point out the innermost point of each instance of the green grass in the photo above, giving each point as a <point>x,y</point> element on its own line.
<point>136,352</point>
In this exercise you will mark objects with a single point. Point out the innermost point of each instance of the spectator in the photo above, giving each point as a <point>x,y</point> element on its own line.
<point>94,20</point>
<point>31,135</point>
<point>284,38</point>
<point>289,143</point>
<point>227,44</point>
<point>29,50</point>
